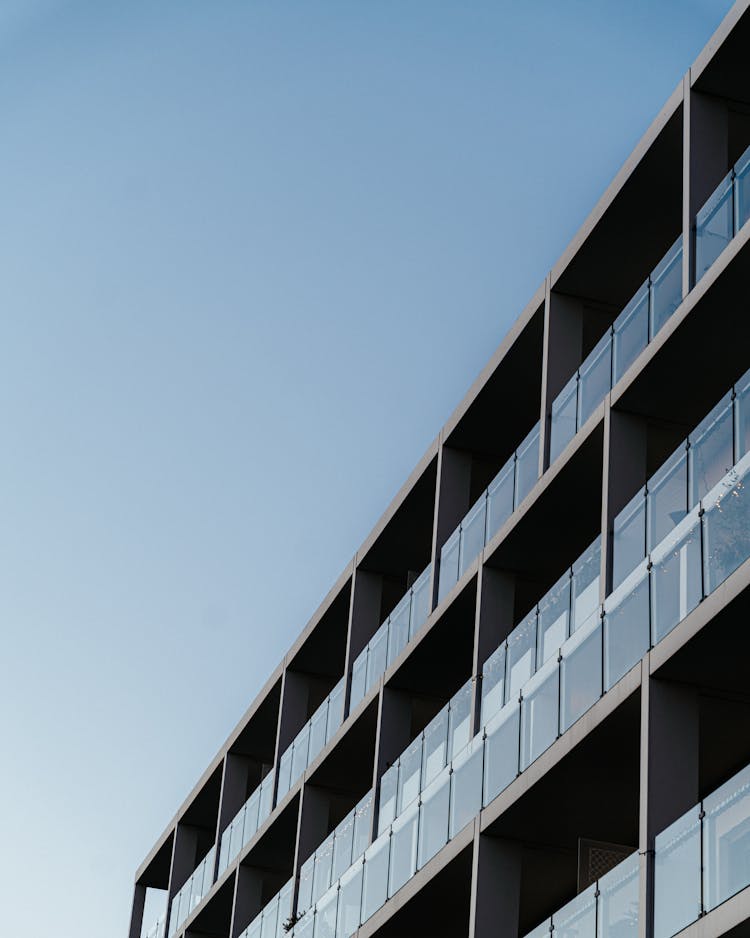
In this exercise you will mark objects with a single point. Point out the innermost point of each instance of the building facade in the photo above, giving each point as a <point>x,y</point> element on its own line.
<point>525,705</point>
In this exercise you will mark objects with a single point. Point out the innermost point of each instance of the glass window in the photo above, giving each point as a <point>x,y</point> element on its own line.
<point>527,465</point>
<point>377,655</point>
<point>409,774</point>
<point>388,794</point>
<point>742,407</point>
<point>466,786</point>
<point>435,754</point>
<point>563,423</point>
<point>433,817</point>
<point>714,227</point>
<point>449,564</point>
<point>359,680</point>
<point>362,822</point>
<point>521,655</point>
<point>726,840</point>
<point>323,868</point>
<point>677,875</point>
<point>420,602</point>
<point>595,378</point>
<point>711,451</point>
<point>493,683</point>
<point>585,587</point>
<point>350,902</point>
<point>726,526</point>
<point>318,725</point>
<point>472,534</point>
<point>335,710</point>
<point>554,613</point>
<point>299,752</point>
<point>618,900</point>
<point>630,333</point>
<point>500,498</point>
<point>626,625</point>
<point>325,914</point>
<point>375,885</point>
<point>577,919</point>
<point>459,720</point>
<point>539,712</point>
<point>398,628</point>
<point>581,672</point>
<point>501,750</point>
<point>666,501</point>
<point>676,586</point>
<point>285,774</point>
<point>342,846</point>
<point>403,860</point>
<point>742,190</point>
<point>666,287</point>
<point>304,895</point>
<point>629,537</point>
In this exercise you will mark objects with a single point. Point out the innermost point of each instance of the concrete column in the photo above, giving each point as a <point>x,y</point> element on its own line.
<point>495,888</point>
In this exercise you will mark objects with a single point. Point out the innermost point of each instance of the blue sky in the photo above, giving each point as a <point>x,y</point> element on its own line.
<point>252,256</point>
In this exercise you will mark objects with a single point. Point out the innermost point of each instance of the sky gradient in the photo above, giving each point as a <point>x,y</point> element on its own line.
<point>253,254</point>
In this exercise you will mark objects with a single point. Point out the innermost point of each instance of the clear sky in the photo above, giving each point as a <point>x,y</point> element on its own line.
<point>252,254</point>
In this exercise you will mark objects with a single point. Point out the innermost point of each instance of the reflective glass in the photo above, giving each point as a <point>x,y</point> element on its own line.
<point>521,655</point>
<point>362,821</point>
<point>335,710</point>
<point>629,538</point>
<point>398,628</point>
<point>527,465</point>
<point>500,498</point>
<point>666,287</point>
<point>676,585</point>
<point>449,564</point>
<point>409,774</point>
<point>595,378</point>
<point>434,810</point>
<point>377,655</point>
<point>318,725</point>
<point>350,902</point>
<point>714,227</point>
<point>666,501</point>
<point>388,796</point>
<point>325,914</point>
<point>585,587</point>
<point>359,680</point>
<point>626,625</point>
<point>435,754</point>
<point>726,526</point>
<point>342,846</point>
<point>472,534</point>
<point>563,424</point>
<point>501,750</point>
<point>420,602</point>
<point>304,895</point>
<point>618,900</point>
<point>270,919</point>
<point>577,919</point>
<point>630,333</point>
<point>403,860</point>
<point>323,867</point>
<point>581,671</point>
<point>677,875</point>
<point>539,712</point>
<point>742,190</point>
<point>466,786</point>
<point>554,613</point>
<point>711,452</point>
<point>299,753</point>
<point>493,683</point>
<point>742,407</point>
<point>375,884</point>
<point>459,720</point>
<point>726,840</point>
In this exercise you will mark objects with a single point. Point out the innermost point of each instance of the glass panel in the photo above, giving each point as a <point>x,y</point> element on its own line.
<point>539,712</point>
<point>500,498</point>
<point>335,710</point>
<point>342,846</point>
<point>318,725</point>
<point>433,817</point>
<point>630,333</point>
<point>388,793</point>
<point>224,851</point>
<point>359,680</point>
<point>270,919</point>
<point>521,655</point>
<point>542,930</point>
<point>252,810</point>
<point>666,287</point>
<point>253,930</point>
<point>285,774</point>
<point>449,564</point>
<point>299,754</point>
<point>375,884</point>
<point>742,405</point>
<point>714,227</point>
<point>581,671</point>
<point>629,538</point>
<point>285,909</point>
<point>501,750</point>
<point>618,900</point>
<point>742,190</point>
<point>472,534</point>
<point>420,602</point>
<point>466,786</point>
<point>305,928</point>
<point>493,683</point>
<point>435,753</point>
<point>726,526</point>
<point>595,378</point>
<point>527,465</point>
<point>626,625</point>
<point>711,452</point>
<point>304,896</point>
<point>362,821</point>
<point>563,424</point>
<point>236,834</point>
<point>676,586</point>
<point>403,861</point>
<point>325,914</point>
<point>554,612</point>
<point>409,774</point>
<point>350,902</point>
<point>398,628</point>
<point>726,840</point>
<point>677,875</point>
<point>459,720</point>
<point>585,588</point>
<point>666,501</point>
<point>377,655</point>
<point>323,867</point>
<point>577,919</point>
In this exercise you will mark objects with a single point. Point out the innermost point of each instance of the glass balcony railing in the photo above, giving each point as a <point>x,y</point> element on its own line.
<point>246,822</point>
<point>275,919</point>
<point>608,908</point>
<point>192,893</point>
<point>692,471</point>
<point>391,638</point>
<point>618,348</point>
<point>725,212</point>
<point>703,858</point>
<point>485,518</point>
<point>311,740</point>
<point>157,929</point>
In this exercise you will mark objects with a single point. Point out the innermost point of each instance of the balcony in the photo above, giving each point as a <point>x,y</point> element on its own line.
<point>721,217</point>
<point>248,820</point>
<point>192,893</point>
<point>275,918</point>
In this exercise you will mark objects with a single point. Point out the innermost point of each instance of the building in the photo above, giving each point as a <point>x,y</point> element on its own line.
<point>524,706</point>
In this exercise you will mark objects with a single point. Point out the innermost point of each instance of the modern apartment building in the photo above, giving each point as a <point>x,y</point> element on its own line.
<point>524,707</point>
